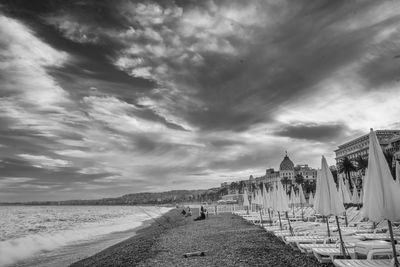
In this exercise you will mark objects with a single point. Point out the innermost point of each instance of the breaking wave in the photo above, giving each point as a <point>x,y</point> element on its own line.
<point>17,249</point>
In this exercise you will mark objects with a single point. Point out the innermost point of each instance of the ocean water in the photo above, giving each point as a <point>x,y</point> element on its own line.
<point>60,235</point>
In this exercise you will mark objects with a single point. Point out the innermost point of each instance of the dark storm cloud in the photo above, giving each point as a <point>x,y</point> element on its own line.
<point>236,90</point>
<point>314,132</point>
<point>149,93</point>
<point>221,143</point>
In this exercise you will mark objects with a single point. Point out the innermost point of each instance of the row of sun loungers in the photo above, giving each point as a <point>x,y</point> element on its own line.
<point>365,244</point>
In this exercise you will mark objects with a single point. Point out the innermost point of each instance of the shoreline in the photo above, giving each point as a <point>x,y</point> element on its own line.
<point>135,248</point>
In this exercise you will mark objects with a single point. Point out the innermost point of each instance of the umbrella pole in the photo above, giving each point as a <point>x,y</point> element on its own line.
<point>342,250</point>
<point>280,222</point>
<point>302,213</point>
<point>270,219</point>
<point>396,261</point>
<point>327,225</point>
<point>290,227</point>
<point>261,220</point>
<point>345,219</point>
<point>293,209</point>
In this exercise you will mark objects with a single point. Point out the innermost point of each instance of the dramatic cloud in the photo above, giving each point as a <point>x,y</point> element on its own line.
<point>103,98</point>
<point>317,132</point>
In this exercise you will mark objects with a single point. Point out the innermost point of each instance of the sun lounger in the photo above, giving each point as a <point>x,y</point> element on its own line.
<point>325,255</point>
<point>294,241</point>
<point>384,236</point>
<point>307,248</point>
<point>374,248</point>
<point>362,263</point>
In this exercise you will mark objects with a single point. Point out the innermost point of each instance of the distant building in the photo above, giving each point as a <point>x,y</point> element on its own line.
<point>231,199</point>
<point>388,139</point>
<point>394,147</point>
<point>271,175</point>
<point>225,185</point>
<point>305,171</point>
<point>286,169</point>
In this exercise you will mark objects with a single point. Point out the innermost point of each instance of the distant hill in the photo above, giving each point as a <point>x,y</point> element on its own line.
<point>169,197</point>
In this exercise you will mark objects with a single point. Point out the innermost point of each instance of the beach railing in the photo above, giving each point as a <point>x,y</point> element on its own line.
<point>216,209</point>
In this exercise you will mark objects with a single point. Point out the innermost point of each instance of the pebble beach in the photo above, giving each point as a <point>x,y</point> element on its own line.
<point>225,239</point>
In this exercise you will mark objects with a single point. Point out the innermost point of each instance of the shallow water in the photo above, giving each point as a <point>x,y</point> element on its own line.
<point>60,235</point>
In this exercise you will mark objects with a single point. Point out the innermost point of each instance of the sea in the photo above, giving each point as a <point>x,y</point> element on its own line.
<point>60,235</point>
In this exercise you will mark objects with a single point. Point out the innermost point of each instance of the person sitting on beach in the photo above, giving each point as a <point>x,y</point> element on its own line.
<point>189,213</point>
<point>201,217</point>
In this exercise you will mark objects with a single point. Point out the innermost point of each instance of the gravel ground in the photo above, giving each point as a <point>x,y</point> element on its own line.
<point>227,240</point>
<point>138,248</point>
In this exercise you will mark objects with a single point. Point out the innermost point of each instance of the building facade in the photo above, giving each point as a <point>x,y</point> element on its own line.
<point>286,168</point>
<point>388,139</point>
<point>305,171</point>
<point>394,148</point>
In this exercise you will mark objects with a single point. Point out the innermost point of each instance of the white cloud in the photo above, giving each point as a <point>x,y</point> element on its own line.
<point>24,59</point>
<point>343,97</point>
<point>41,161</point>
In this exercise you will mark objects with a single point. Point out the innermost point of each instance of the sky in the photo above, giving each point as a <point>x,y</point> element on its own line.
<point>104,98</point>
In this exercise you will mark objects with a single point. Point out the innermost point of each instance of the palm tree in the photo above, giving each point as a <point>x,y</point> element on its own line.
<point>233,186</point>
<point>299,179</point>
<point>242,185</point>
<point>346,166</point>
<point>309,186</point>
<point>362,164</point>
<point>334,174</point>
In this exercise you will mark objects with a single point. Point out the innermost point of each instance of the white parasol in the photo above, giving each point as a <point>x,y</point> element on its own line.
<point>381,194</point>
<point>343,193</point>
<point>328,198</point>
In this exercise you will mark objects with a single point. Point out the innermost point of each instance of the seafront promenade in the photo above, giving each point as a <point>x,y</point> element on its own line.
<point>226,239</point>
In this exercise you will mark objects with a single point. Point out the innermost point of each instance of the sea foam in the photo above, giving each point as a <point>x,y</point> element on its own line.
<point>17,249</point>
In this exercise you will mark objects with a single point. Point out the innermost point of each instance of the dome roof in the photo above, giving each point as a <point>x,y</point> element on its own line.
<point>286,164</point>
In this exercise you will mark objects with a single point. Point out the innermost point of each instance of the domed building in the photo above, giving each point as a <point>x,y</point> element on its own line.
<point>286,169</point>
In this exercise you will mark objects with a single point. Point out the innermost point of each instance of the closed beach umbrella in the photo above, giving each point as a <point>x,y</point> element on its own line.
<point>328,198</point>
<point>265,197</point>
<point>343,193</point>
<point>355,198</point>
<point>318,185</point>
<point>398,171</point>
<point>381,194</point>
<point>311,199</point>
<point>291,199</point>
<point>256,198</point>
<point>246,202</point>
<point>329,202</point>
<point>302,200</point>
<point>282,204</point>
<point>360,199</point>
<point>347,186</point>
<point>297,197</point>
